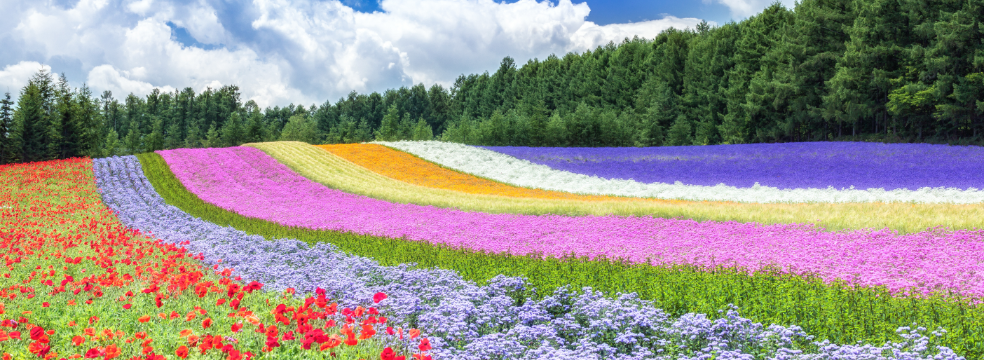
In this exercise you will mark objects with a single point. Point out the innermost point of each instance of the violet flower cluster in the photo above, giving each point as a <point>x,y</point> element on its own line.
<point>249,182</point>
<point>816,165</point>
<point>467,321</point>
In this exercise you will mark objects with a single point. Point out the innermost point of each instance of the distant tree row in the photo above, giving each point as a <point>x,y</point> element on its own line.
<point>878,70</point>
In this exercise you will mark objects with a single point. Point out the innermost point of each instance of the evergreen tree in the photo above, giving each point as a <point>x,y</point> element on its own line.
<point>89,123</point>
<point>30,129</point>
<point>255,132</point>
<point>212,138</point>
<point>389,130</point>
<point>300,128</point>
<point>155,140</point>
<point>6,125</point>
<point>680,133</point>
<point>111,147</point>
<point>232,131</point>
<point>556,132</point>
<point>132,141</point>
<point>422,131</point>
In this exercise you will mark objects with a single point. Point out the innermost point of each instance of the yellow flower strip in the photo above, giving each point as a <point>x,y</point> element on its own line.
<point>327,168</point>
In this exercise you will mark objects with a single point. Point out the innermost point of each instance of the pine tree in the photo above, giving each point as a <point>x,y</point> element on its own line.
<point>90,124</point>
<point>30,124</point>
<point>680,133</point>
<point>300,128</point>
<point>65,122</point>
<point>255,132</point>
<point>556,131</point>
<point>389,130</point>
<point>6,125</point>
<point>422,131</point>
<point>232,131</point>
<point>155,140</point>
<point>132,141</point>
<point>212,138</point>
<point>111,147</point>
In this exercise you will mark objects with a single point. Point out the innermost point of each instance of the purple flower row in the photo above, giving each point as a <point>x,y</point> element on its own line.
<point>818,165</point>
<point>466,321</point>
<point>249,182</point>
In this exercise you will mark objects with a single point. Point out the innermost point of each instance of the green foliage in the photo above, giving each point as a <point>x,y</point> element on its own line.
<point>835,312</point>
<point>679,133</point>
<point>232,131</point>
<point>300,128</point>
<point>422,131</point>
<point>390,130</point>
<point>6,124</point>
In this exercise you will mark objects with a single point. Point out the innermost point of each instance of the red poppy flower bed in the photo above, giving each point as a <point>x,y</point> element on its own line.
<point>75,283</point>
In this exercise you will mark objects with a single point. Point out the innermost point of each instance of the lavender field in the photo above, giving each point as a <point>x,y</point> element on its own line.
<point>817,165</point>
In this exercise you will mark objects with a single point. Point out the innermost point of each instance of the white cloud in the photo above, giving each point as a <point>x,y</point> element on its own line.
<point>300,51</point>
<point>741,9</point>
<point>591,35</point>
<point>14,77</point>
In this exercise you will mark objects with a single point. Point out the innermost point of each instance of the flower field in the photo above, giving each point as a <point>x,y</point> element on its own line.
<point>77,283</point>
<point>247,181</point>
<point>875,176</point>
<point>339,173</point>
<point>364,251</point>
<point>784,166</point>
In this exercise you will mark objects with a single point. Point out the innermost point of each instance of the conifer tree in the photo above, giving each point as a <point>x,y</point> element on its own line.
<point>6,124</point>
<point>212,138</point>
<point>155,140</point>
<point>389,130</point>
<point>680,133</point>
<point>232,131</point>
<point>111,147</point>
<point>422,130</point>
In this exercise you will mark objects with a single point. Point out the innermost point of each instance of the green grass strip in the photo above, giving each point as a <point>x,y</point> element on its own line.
<point>839,313</point>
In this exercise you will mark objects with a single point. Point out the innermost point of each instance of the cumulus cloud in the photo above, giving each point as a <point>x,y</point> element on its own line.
<point>741,9</point>
<point>14,77</point>
<point>591,35</point>
<point>300,51</point>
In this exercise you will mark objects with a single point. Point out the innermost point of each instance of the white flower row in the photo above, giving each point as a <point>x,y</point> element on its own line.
<point>507,169</point>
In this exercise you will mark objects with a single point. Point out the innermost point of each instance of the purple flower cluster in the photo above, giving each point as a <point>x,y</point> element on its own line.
<point>467,321</point>
<point>817,165</point>
<point>249,182</point>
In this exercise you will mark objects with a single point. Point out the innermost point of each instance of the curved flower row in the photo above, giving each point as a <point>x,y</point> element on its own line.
<point>78,284</point>
<point>408,168</point>
<point>501,167</point>
<point>247,181</point>
<point>467,321</point>
<point>817,165</point>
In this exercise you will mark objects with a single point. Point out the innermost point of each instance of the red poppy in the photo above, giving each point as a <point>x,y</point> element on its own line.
<point>236,327</point>
<point>379,297</point>
<point>112,351</point>
<point>78,340</point>
<point>424,344</point>
<point>181,352</point>
<point>127,306</point>
<point>39,348</point>
<point>206,323</point>
<point>387,354</point>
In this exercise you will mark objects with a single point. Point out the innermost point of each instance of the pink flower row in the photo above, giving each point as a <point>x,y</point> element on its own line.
<point>249,182</point>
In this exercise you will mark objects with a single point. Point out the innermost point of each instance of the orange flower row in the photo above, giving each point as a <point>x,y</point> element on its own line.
<point>404,167</point>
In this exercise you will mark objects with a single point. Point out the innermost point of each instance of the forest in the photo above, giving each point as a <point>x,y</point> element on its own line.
<point>827,70</point>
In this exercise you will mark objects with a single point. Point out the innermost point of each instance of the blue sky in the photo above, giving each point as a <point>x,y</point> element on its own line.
<point>308,51</point>
<point>620,11</point>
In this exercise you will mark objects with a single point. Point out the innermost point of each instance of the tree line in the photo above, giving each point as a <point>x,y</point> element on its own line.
<point>869,70</point>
